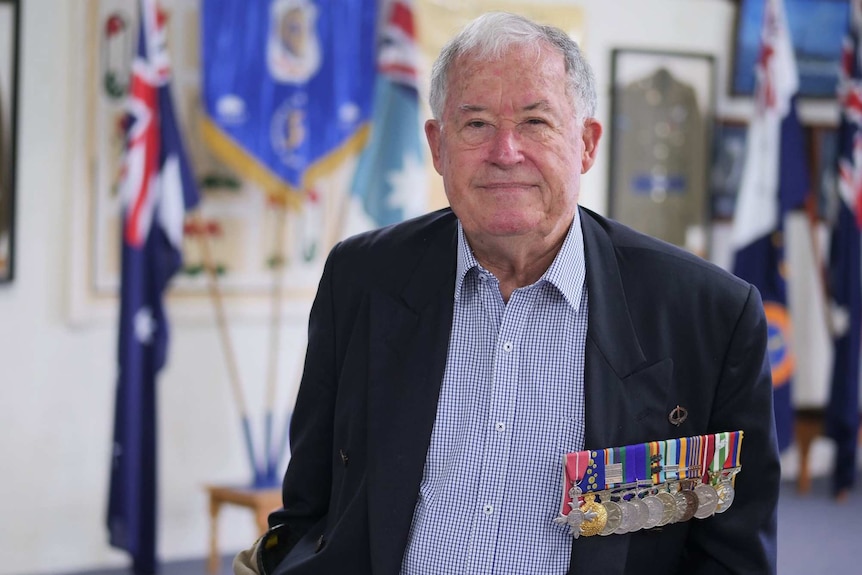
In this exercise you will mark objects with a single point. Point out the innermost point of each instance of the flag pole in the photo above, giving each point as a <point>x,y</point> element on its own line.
<point>278,261</point>
<point>227,344</point>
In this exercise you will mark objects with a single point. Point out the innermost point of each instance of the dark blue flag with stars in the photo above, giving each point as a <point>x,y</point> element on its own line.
<point>156,190</point>
<point>845,284</point>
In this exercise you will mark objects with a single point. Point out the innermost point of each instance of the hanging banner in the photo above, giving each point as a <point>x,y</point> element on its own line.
<point>288,87</point>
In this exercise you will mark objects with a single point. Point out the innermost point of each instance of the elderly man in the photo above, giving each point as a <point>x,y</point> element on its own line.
<point>453,360</point>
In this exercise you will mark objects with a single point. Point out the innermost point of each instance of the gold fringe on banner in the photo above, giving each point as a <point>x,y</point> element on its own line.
<point>253,170</point>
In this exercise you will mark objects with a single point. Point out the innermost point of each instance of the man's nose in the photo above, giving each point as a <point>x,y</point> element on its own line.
<point>506,145</point>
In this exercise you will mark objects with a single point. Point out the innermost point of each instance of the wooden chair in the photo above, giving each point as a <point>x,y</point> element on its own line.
<point>261,501</point>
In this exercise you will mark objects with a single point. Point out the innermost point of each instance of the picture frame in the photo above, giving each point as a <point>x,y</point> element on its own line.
<point>9,26</point>
<point>725,173</point>
<point>728,160</point>
<point>661,120</point>
<point>817,28</point>
<point>823,140</point>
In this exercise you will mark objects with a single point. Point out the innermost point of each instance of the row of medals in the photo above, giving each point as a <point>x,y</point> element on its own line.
<point>645,507</point>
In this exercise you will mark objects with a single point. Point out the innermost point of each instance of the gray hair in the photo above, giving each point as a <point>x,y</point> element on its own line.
<point>492,34</point>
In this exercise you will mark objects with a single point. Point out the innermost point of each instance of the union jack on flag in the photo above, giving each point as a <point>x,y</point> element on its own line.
<point>141,185</point>
<point>156,190</point>
<point>389,184</point>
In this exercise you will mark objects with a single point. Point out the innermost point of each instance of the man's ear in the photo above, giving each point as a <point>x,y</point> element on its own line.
<point>590,134</point>
<point>433,133</point>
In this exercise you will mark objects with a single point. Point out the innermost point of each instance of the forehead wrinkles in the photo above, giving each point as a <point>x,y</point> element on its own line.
<point>493,94</point>
<point>516,84</point>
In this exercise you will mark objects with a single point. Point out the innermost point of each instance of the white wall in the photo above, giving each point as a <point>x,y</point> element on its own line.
<point>56,391</point>
<point>57,382</point>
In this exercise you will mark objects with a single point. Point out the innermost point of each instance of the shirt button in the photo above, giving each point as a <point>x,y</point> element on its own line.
<point>488,509</point>
<point>483,277</point>
<point>500,426</point>
<point>508,346</point>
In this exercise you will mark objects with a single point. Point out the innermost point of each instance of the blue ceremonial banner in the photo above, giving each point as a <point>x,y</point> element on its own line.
<point>156,190</point>
<point>774,181</point>
<point>288,86</point>
<point>845,284</point>
<point>390,181</point>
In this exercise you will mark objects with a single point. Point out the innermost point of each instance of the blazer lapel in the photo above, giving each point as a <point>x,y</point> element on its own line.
<point>613,352</point>
<point>409,337</point>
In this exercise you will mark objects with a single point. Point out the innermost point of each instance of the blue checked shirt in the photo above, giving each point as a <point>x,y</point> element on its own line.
<point>511,405</point>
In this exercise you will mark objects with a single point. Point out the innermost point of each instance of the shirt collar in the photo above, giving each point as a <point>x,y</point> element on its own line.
<point>567,272</point>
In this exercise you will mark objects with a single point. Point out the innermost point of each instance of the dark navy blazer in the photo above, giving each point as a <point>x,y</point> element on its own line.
<point>665,329</point>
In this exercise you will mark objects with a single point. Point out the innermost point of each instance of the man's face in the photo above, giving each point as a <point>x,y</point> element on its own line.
<point>509,147</point>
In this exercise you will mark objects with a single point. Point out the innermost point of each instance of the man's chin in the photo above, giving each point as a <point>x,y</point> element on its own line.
<point>511,227</point>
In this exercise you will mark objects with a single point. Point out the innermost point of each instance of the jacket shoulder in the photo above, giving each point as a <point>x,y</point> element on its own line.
<point>636,252</point>
<point>388,257</point>
<point>401,237</point>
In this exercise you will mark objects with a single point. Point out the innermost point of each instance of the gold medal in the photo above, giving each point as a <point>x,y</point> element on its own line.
<point>596,517</point>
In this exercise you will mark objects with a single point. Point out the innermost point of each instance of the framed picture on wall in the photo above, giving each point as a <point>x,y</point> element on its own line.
<point>725,173</point>
<point>824,168</point>
<point>9,19</point>
<point>817,28</point>
<point>662,109</point>
<point>728,160</point>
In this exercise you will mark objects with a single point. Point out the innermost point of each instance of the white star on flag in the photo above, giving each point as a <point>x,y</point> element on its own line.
<point>408,187</point>
<point>145,325</point>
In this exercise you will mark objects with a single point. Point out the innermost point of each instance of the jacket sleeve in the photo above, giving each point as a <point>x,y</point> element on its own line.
<point>743,539</point>
<point>307,482</point>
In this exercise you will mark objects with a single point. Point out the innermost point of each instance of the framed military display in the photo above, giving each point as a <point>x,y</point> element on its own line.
<point>662,109</point>
<point>725,173</point>
<point>728,156</point>
<point>9,19</point>
<point>824,167</point>
<point>816,29</point>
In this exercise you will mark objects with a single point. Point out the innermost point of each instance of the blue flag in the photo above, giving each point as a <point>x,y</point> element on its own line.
<point>774,181</point>
<point>845,285</point>
<point>390,181</point>
<point>287,86</point>
<point>156,190</point>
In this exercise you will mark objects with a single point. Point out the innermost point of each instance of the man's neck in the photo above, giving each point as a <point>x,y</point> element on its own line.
<point>515,262</point>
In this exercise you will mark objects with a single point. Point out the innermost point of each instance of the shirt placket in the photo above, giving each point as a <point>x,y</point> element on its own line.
<point>508,321</point>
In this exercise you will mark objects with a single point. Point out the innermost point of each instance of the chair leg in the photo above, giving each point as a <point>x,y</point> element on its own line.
<point>807,428</point>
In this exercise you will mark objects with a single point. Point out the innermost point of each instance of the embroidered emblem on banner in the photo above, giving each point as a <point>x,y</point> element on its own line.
<point>293,47</point>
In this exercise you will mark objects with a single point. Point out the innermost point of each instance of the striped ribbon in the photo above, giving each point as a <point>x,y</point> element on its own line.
<point>657,462</point>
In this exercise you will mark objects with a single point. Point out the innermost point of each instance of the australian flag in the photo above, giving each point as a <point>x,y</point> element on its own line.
<point>845,284</point>
<point>157,188</point>
<point>390,181</point>
<point>774,181</point>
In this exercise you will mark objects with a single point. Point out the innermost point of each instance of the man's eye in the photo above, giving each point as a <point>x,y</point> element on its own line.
<point>535,122</point>
<point>476,124</point>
